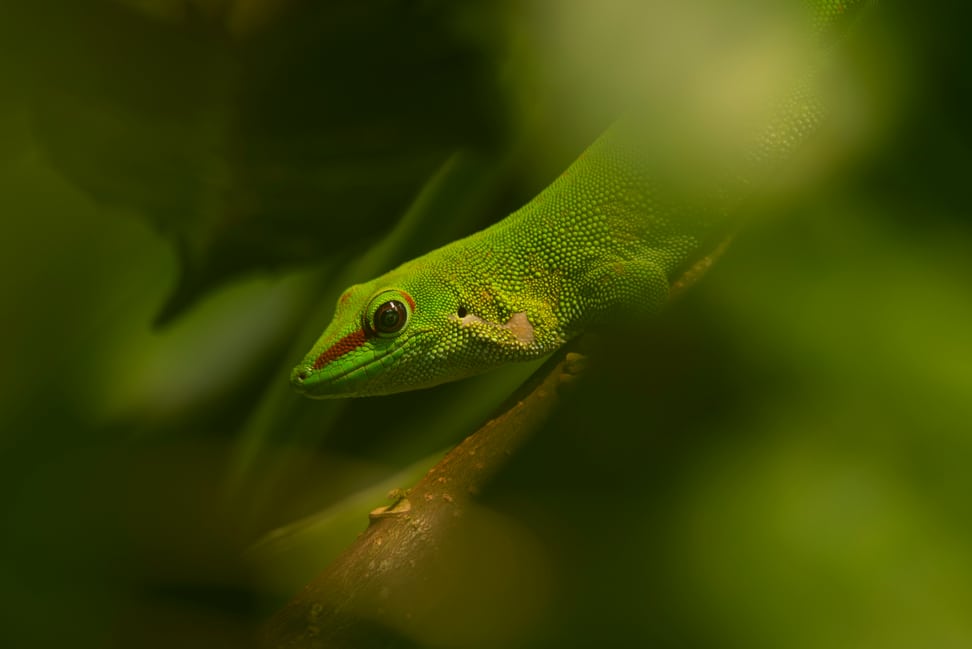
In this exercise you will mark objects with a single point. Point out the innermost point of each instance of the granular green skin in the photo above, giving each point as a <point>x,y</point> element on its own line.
<point>516,291</point>
<point>604,240</point>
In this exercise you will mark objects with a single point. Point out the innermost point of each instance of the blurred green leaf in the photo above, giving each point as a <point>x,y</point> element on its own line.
<point>302,139</point>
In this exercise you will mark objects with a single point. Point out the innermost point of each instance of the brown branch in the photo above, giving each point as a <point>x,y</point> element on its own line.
<point>699,269</point>
<point>342,607</point>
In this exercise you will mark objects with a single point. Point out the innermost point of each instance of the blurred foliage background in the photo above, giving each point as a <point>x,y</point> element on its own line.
<point>784,458</point>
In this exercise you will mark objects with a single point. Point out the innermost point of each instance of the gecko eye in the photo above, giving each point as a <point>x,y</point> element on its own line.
<point>387,313</point>
<point>389,318</point>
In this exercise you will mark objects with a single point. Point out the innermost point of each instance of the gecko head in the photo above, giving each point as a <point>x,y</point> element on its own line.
<point>367,347</point>
<point>410,329</point>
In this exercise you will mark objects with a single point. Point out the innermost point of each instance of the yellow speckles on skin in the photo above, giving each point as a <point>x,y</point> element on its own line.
<point>468,319</point>
<point>518,325</point>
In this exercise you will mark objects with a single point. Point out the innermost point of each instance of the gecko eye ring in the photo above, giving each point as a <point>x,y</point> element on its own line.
<point>389,318</point>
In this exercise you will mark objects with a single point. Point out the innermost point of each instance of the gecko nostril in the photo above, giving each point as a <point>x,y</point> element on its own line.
<point>301,376</point>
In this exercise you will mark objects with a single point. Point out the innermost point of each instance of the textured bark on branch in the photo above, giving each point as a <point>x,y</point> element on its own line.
<point>350,604</point>
<point>358,599</point>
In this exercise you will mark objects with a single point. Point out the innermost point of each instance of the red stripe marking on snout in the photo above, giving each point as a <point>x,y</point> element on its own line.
<point>349,343</point>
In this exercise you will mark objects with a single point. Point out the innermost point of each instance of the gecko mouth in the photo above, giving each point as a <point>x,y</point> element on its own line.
<point>309,381</point>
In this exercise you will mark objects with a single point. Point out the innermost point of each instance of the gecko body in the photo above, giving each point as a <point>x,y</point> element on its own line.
<point>606,240</point>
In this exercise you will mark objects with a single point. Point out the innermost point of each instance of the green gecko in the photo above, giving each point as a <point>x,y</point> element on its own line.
<point>604,241</point>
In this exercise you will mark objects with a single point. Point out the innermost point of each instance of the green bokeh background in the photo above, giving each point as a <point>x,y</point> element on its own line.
<point>783,459</point>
